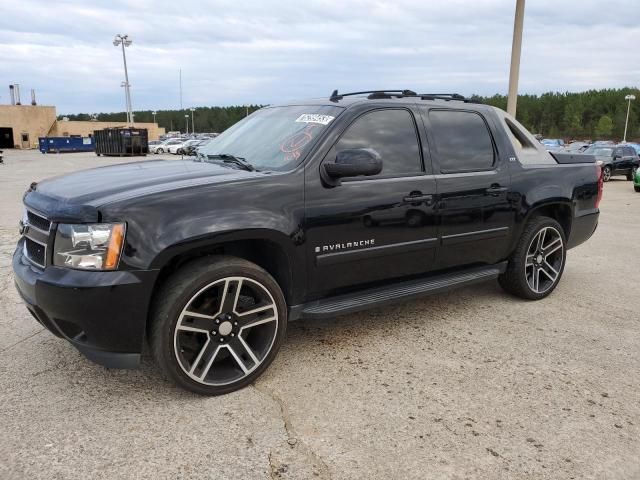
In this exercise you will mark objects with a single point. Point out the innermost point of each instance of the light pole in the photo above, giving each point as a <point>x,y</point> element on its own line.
<point>628,98</point>
<point>125,41</point>
<point>186,121</point>
<point>516,48</point>
<point>193,121</point>
<point>247,110</point>
<point>154,116</point>
<point>126,100</point>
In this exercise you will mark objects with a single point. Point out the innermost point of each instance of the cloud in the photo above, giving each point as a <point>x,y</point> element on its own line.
<point>273,51</point>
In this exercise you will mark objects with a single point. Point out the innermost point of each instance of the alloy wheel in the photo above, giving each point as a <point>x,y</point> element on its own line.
<point>606,174</point>
<point>225,331</point>
<point>544,260</point>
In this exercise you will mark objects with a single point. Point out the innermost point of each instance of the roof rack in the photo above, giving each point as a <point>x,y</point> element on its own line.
<point>375,94</point>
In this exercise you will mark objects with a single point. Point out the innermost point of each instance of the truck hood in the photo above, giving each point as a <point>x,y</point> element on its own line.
<point>77,195</point>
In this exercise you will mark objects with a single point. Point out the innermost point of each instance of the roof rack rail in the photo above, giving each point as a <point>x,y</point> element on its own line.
<point>447,97</point>
<point>375,94</point>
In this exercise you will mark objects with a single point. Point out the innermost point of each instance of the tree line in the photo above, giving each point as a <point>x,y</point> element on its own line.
<point>594,114</point>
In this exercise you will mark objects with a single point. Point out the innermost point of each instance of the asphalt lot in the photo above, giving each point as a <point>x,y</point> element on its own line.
<point>470,384</point>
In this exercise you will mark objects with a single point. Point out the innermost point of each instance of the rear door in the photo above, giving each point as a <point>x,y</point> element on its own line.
<point>475,215</point>
<point>629,156</point>
<point>619,163</point>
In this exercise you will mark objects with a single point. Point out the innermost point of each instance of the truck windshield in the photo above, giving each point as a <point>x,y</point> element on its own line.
<point>273,138</point>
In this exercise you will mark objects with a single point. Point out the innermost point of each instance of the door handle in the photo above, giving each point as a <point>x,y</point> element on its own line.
<point>427,199</point>
<point>495,190</point>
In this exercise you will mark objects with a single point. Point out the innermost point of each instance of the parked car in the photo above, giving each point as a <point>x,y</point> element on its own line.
<point>576,147</point>
<point>635,146</point>
<point>180,148</point>
<point>553,144</point>
<point>164,146</point>
<point>616,160</point>
<point>192,149</point>
<point>210,258</point>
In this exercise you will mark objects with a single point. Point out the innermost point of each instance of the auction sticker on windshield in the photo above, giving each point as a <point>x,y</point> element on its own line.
<point>315,118</point>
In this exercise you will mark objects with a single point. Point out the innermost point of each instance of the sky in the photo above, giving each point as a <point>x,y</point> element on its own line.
<point>262,52</point>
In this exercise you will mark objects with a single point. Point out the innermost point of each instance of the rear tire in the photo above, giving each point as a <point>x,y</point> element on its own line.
<point>636,188</point>
<point>217,324</point>
<point>606,173</point>
<point>536,265</point>
<point>631,175</point>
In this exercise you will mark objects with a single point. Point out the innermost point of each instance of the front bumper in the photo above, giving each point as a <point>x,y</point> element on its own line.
<point>103,314</point>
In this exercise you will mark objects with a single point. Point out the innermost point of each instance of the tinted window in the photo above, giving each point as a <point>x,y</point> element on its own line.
<point>628,151</point>
<point>462,141</point>
<point>392,133</point>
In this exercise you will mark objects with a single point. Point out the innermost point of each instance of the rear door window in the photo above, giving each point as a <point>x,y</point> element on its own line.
<point>462,139</point>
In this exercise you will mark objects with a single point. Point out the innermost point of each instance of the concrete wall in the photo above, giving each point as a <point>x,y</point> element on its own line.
<point>33,120</point>
<point>74,127</point>
<point>40,121</point>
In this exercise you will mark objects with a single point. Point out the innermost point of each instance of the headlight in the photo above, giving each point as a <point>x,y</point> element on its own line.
<point>94,246</point>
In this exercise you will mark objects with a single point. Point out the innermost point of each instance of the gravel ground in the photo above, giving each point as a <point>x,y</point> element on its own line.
<point>470,384</point>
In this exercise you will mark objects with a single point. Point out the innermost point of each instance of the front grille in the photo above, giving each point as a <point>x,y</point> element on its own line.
<point>35,252</point>
<point>36,231</point>
<point>38,222</point>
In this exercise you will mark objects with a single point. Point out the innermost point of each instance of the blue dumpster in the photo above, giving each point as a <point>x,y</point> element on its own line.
<point>66,144</point>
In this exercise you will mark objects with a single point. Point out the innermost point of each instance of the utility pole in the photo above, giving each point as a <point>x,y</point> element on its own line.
<point>516,49</point>
<point>186,121</point>
<point>154,116</point>
<point>193,121</point>
<point>125,41</point>
<point>628,98</point>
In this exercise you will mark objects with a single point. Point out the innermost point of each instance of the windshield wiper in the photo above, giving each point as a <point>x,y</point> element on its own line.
<point>228,158</point>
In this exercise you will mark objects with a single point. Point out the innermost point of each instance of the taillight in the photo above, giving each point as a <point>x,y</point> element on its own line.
<point>600,183</point>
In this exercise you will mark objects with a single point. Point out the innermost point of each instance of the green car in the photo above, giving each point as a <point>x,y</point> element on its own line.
<point>636,180</point>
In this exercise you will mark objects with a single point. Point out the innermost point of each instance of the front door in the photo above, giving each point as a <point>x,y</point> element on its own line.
<point>372,228</point>
<point>473,185</point>
<point>24,137</point>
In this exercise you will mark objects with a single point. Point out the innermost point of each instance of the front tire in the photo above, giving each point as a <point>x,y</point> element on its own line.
<point>536,265</point>
<point>217,324</point>
<point>636,188</point>
<point>631,175</point>
<point>606,173</point>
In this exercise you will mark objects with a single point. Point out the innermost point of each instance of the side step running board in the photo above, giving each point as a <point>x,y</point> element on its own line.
<point>375,297</point>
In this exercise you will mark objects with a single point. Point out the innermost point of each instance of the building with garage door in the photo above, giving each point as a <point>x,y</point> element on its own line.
<point>22,125</point>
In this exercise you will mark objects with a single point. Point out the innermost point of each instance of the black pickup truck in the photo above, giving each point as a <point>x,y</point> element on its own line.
<point>300,211</point>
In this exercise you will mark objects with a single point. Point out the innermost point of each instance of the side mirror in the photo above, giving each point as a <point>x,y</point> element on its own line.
<point>354,162</point>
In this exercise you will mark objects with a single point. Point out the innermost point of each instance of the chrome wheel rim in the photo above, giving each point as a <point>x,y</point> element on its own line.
<point>606,174</point>
<point>544,260</point>
<point>225,331</point>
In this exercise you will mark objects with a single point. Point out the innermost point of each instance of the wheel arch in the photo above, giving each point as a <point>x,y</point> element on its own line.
<point>266,251</point>
<point>560,211</point>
